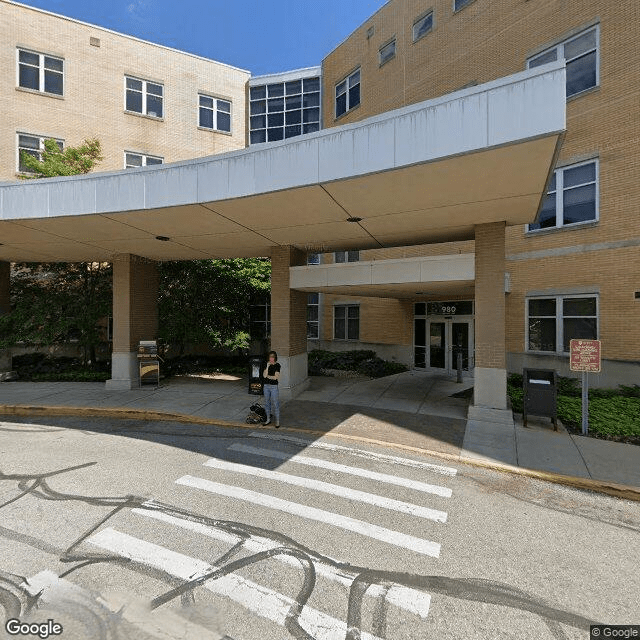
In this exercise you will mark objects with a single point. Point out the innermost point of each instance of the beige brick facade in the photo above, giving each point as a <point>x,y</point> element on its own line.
<point>487,40</point>
<point>93,101</point>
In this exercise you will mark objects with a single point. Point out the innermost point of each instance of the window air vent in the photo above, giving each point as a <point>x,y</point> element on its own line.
<point>94,42</point>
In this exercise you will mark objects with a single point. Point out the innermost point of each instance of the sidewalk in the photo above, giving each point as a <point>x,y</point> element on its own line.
<point>412,410</point>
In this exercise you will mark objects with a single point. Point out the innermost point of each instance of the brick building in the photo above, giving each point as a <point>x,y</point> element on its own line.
<point>576,273</point>
<point>455,176</point>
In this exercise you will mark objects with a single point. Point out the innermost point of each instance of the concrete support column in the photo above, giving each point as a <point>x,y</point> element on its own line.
<point>135,316</point>
<point>288,322</point>
<point>5,307</point>
<point>490,373</point>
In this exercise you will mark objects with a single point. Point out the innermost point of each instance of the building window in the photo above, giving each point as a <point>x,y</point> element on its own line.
<point>214,113</point>
<point>313,316</point>
<point>422,26</point>
<point>388,52</point>
<point>40,72</point>
<point>460,4</point>
<point>284,109</point>
<point>346,256</point>
<point>346,322</point>
<point>313,258</point>
<point>134,160</point>
<point>348,93</point>
<point>572,197</point>
<point>260,317</point>
<point>554,321</point>
<point>142,96</point>
<point>581,57</point>
<point>34,146</point>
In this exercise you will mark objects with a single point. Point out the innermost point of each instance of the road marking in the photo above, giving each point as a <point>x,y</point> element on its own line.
<point>396,538</point>
<point>362,453</point>
<point>411,600</point>
<point>260,600</point>
<point>333,489</point>
<point>444,492</point>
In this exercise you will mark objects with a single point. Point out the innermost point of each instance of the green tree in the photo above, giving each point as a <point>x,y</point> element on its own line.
<point>63,162</point>
<point>53,303</point>
<point>208,300</point>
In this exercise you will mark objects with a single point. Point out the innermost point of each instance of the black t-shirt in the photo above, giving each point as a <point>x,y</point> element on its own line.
<point>271,371</point>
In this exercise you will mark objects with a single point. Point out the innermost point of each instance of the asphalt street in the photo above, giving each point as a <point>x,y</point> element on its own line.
<point>126,529</point>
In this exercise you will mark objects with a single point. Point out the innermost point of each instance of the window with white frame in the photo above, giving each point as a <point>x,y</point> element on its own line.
<point>313,316</point>
<point>40,72</point>
<point>387,52</point>
<point>346,256</point>
<point>346,322</point>
<point>459,4</point>
<point>281,110</point>
<point>144,97</point>
<point>33,146</point>
<point>581,58</point>
<point>313,258</point>
<point>348,93</point>
<point>572,197</point>
<point>134,160</point>
<point>553,321</point>
<point>422,26</point>
<point>214,113</point>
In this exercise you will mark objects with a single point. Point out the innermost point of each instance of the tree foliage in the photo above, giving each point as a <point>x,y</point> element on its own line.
<point>68,162</point>
<point>208,301</point>
<point>53,303</point>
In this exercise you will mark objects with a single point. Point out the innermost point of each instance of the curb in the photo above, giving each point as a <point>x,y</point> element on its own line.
<point>626,492</point>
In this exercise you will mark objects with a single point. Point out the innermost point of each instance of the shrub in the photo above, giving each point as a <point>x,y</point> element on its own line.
<point>363,361</point>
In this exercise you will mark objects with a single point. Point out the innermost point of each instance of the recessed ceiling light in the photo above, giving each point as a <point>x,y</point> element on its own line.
<point>163,238</point>
<point>354,219</point>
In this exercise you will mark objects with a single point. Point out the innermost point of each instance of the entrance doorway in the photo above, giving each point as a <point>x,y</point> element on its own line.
<point>438,339</point>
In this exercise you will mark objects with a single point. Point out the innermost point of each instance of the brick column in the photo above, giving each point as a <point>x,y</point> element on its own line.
<point>490,374</point>
<point>135,316</point>
<point>5,307</point>
<point>288,321</point>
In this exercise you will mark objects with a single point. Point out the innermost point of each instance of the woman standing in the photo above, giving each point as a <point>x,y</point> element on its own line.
<point>271,376</point>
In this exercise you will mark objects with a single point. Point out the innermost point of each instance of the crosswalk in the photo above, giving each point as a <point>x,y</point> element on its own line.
<point>245,480</point>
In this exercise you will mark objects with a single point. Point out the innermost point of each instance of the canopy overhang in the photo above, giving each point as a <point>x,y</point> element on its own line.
<point>425,173</point>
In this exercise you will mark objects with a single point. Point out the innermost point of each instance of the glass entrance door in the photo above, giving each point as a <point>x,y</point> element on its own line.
<point>437,342</point>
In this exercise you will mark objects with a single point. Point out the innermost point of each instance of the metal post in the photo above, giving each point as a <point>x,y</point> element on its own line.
<point>459,365</point>
<point>585,403</point>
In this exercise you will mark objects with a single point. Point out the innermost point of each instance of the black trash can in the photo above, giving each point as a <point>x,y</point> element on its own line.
<point>257,365</point>
<point>540,396</point>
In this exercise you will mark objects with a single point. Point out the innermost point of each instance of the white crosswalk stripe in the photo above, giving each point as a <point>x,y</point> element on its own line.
<point>395,538</point>
<point>258,599</point>
<point>386,478</point>
<point>361,453</point>
<point>411,600</point>
<point>333,489</point>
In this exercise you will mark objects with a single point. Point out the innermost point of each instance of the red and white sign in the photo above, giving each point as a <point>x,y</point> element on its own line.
<point>585,355</point>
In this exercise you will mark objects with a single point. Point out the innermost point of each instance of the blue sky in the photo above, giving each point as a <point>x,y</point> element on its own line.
<point>263,36</point>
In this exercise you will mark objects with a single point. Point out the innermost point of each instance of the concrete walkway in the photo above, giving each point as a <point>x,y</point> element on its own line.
<point>412,409</point>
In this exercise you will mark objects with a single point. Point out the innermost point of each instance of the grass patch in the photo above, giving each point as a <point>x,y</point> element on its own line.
<point>614,414</point>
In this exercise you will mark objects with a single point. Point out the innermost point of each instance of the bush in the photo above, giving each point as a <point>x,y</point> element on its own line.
<point>361,360</point>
